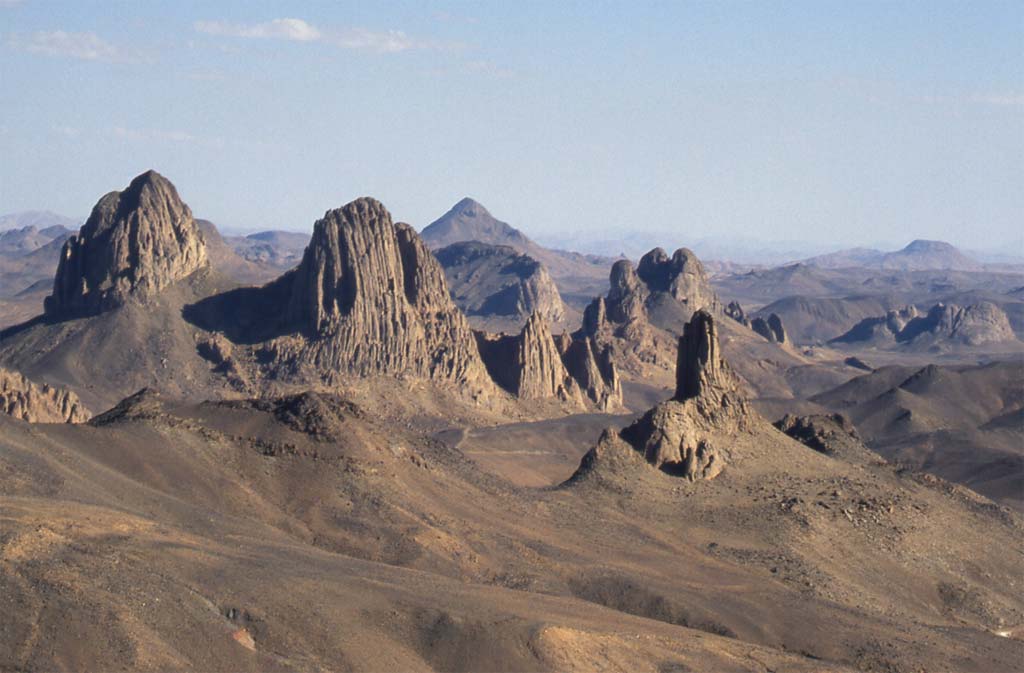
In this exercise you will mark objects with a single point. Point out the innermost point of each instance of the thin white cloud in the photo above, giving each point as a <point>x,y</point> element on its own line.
<point>297,30</point>
<point>1005,99</point>
<point>282,29</point>
<point>82,46</point>
<point>387,42</point>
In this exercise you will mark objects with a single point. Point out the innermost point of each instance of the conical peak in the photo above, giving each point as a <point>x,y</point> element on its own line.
<point>150,179</point>
<point>470,208</point>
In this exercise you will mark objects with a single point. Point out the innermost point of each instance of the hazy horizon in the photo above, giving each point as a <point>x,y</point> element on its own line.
<point>827,124</point>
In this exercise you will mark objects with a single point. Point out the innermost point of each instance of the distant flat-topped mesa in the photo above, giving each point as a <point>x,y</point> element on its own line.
<point>497,283</point>
<point>134,244</point>
<point>683,436</point>
<point>537,365</point>
<point>23,399</point>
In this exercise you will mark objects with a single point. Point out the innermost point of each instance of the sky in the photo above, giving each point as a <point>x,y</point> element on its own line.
<point>844,123</point>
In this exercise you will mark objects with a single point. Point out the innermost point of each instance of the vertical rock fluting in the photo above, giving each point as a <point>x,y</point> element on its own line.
<point>23,399</point>
<point>134,244</point>
<point>541,373</point>
<point>371,299</point>
<point>535,364</point>
<point>700,368</point>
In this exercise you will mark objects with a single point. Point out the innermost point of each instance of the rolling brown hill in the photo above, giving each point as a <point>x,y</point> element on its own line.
<point>306,532</point>
<point>960,423</point>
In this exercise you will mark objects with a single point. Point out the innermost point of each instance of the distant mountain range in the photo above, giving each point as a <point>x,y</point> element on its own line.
<point>919,255</point>
<point>40,219</point>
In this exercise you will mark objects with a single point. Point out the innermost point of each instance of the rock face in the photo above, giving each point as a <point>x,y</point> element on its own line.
<point>489,280</point>
<point>536,365</point>
<point>824,433</point>
<point>770,328</point>
<point>645,309</point>
<point>682,276</point>
<point>371,299</point>
<point>974,325</point>
<point>626,296</point>
<point>735,311</point>
<point>679,436</point>
<point>23,399</point>
<point>639,295</point>
<point>700,369</point>
<point>134,244</point>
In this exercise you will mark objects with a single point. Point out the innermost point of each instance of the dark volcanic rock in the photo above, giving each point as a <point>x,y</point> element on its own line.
<point>700,369</point>
<point>735,311</point>
<point>824,433</point>
<point>134,244</point>
<point>23,399</point>
<point>683,276</point>
<point>770,328</point>
<point>626,295</point>
<point>496,280</point>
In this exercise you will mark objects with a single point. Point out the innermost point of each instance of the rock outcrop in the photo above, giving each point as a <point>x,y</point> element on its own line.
<point>134,244</point>
<point>496,281</point>
<point>645,309</point>
<point>370,299</point>
<point>974,325</point>
<point>680,436</point>
<point>771,328</point>
<point>682,276</point>
<point>735,311</point>
<point>23,399</point>
<point>626,294</point>
<point>641,294</point>
<point>536,365</point>
<point>824,433</point>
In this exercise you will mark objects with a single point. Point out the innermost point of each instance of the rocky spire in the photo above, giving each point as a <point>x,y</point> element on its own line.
<point>371,299</point>
<point>771,328</point>
<point>682,436</point>
<point>21,398</point>
<point>627,294</point>
<point>534,365</point>
<point>700,369</point>
<point>134,244</point>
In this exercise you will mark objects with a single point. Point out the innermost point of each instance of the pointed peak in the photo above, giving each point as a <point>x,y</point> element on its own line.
<point>471,208</point>
<point>148,179</point>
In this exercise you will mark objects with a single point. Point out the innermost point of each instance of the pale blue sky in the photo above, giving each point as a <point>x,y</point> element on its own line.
<point>851,122</point>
